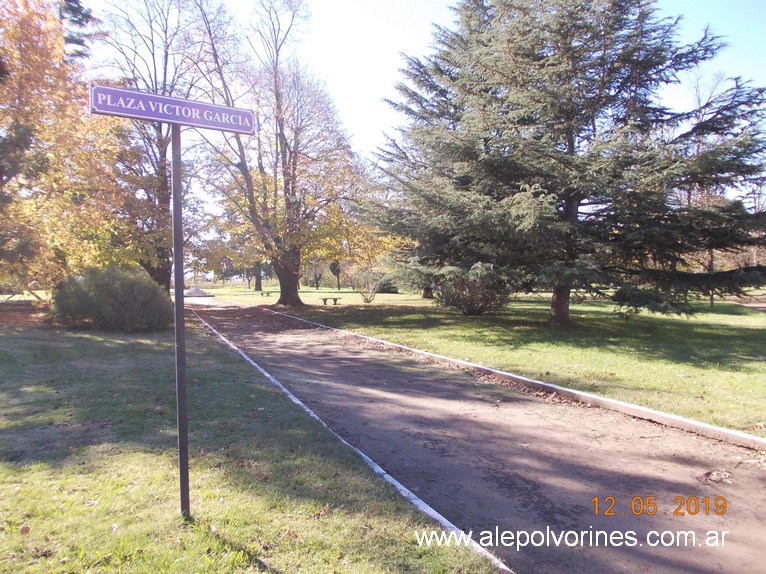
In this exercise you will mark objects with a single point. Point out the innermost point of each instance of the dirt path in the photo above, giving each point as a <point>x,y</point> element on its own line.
<point>487,457</point>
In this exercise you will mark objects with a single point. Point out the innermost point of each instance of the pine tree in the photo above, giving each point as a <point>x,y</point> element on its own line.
<point>537,142</point>
<point>76,19</point>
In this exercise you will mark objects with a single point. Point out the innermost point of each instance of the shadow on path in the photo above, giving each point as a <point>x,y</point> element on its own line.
<point>492,460</point>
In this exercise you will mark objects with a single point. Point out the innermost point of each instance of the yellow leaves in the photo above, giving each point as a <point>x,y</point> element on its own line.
<point>32,45</point>
<point>66,206</point>
<point>61,217</point>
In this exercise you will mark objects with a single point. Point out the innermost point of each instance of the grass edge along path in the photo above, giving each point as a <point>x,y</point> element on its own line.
<point>88,470</point>
<point>407,494</point>
<point>720,433</point>
<point>708,367</point>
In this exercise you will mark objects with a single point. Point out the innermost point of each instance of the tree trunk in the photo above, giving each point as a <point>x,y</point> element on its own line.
<point>562,293</point>
<point>560,305</point>
<point>162,270</point>
<point>427,293</point>
<point>335,270</point>
<point>711,269</point>
<point>258,272</point>
<point>288,270</point>
<point>162,275</point>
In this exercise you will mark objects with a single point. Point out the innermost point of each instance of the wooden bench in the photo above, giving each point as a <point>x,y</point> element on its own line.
<point>265,293</point>
<point>334,300</point>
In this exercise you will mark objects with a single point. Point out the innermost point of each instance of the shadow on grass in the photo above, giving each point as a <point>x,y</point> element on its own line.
<point>71,401</point>
<point>524,324</point>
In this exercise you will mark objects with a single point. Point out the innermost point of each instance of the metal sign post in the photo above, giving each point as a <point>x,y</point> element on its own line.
<point>133,104</point>
<point>178,280</point>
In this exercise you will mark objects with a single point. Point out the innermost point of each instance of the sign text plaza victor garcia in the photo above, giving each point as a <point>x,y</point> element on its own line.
<point>107,100</point>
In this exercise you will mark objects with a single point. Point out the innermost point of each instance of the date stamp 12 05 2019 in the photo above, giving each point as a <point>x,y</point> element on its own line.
<point>649,506</point>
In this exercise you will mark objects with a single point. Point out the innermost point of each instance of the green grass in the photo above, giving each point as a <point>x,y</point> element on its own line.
<point>709,367</point>
<point>88,469</point>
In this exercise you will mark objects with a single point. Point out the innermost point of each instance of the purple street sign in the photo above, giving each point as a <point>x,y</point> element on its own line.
<point>111,101</point>
<point>126,103</point>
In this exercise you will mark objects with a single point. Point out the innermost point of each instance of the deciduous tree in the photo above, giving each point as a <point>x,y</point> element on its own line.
<point>60,204</point>
<point>153,52</point>
<point>289,180</point>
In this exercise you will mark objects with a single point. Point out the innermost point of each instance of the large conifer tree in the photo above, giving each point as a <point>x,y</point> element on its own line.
<point>537,142</point>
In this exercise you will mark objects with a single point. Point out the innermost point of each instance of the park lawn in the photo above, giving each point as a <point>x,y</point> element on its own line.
<point>88,468</point>
<point>710,367</point>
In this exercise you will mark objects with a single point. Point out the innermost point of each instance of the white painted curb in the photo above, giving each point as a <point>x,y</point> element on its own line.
<point>720,433</point>
<point>377,469</point>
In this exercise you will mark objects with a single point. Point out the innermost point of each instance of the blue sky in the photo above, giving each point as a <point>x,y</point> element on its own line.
<point>354,46</point>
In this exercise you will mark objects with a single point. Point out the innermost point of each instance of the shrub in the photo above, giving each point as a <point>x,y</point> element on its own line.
<point>113,299</point>
<point>365,282</point>
<point>388,286</point>
<point>478,291</point>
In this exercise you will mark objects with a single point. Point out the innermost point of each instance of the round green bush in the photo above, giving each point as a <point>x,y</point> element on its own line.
<point>471,297</point>
<point>477,291</point>
<point>113,299</point>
